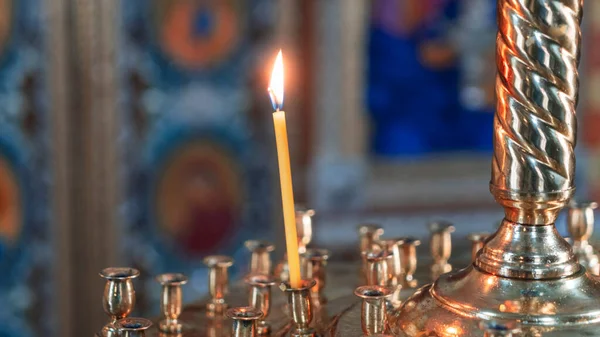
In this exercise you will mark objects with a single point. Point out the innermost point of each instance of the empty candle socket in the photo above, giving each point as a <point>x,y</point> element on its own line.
<point>119,296</point>
<point>408,255</point>
<point>314,262</point>
<point>373,308</point>
<point>441,247</point>
<point>132,327</point>
<point>260,260</point>
<point>244,321</point>
<point>369,237</point>
<point>501,329</point>
<point>392,246</point>
<point>376,267</point>
<point>171,301</point>
<point>260,298</point>
<point>304,220</point>
<point>580,222</point>
<point>477,242</point>
<point>300,307</point>
<point>218,282</point>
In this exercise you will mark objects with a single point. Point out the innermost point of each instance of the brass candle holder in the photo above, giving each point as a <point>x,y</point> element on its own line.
<point>260,298</point>
<point>580,222</point>
<point>408,255</point>
<point>441,247</point>
<point>526,271</point>
<point>171,301</point>
<point>300,307</point>
<point>477,242</point>
<point>260,261</point>
<point>376,267</point>
<point>314,262</point>
<point>373,308</point>
<point>218,282</point>
<point>368,236</point>
<point>304,230</point>
<point>244,321</point>
<point>132,327</point>
<point>119,296</point>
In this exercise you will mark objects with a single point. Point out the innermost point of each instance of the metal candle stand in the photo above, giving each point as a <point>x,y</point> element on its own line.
<point>523,280</point>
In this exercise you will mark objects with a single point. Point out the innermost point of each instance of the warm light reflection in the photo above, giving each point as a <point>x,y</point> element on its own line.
<point>276,84</point>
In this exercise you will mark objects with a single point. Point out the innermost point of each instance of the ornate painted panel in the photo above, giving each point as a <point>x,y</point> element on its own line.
<point>195,172</point>
<point>26,256</point>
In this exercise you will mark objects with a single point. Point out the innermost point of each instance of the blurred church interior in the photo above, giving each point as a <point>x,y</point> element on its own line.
<point>139,133</point>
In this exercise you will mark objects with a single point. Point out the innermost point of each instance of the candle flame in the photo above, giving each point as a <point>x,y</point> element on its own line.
<point>276,84</point>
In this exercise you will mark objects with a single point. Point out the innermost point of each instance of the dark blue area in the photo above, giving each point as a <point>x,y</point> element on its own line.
<point>203,23</point>
<point>415,110</point>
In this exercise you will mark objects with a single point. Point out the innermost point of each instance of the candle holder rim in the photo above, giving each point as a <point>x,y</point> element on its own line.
<point>478,236</point>
<point>173,279</point>
<point>259,245</point>
<point>584,204</point>
<point>218,260</point>
<point>410,240</point>
<point>301,210</point>
<point>373,292</point>
<point>316,254</point>
<point>244,313</point>
<point>441,226</point>
<point>260,280</point>
<point>365,228</point>
<point>306,284</point>
<point>376,255</point>
<point>141,324</point>
<point>119,273</point>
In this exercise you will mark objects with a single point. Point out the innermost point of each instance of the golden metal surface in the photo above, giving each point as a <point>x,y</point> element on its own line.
<point>300,307</point>
<point>244,321</point>
<point>373,308</point>
<point>132,327</point>
<point>313,263</point>
<point>218,281</point>
<point>441,247</point>
<point>477,242</point>
<point>119,296</point>
<point>171,301</point>
<point>260,298</point>
<point>260,259</point>
<point>580,222</point>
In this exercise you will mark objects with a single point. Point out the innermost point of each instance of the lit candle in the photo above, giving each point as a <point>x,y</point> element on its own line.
<point>285,172</point>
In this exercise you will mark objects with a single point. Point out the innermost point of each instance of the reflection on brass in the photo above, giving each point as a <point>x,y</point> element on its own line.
<point>500,329</point>
<point>477,241</point>
<point>171,301</point>
<point>441,247</point>
<point>408,255</point>
<point>244,321</point>
<point>300,307</point>
<point>314,262</point>
<point>260,261</point>
<point>580,223</point>
<point>132,327</point>
<point>373,309</point>
<point>119,296</point>
<point>260,298</point>
<point>218,282</point>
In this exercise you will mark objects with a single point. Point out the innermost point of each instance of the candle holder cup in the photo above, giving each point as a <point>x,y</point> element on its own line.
<point>119,296</point>
<point>171,301</point>
<point>218,282</point>
<point>132,327</point>
<point>260,298</point>
<point>300,307</point>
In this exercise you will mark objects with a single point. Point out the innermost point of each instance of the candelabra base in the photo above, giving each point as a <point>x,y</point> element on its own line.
<point>457,302</point>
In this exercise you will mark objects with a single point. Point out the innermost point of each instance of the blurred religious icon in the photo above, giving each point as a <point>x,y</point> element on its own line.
<point>11,211</point>
<point>6,13</point>
<point>413,76</point>
<point>199,197</point>
<point>198,34</point>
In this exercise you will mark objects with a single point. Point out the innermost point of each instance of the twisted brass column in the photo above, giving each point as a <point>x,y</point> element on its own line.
<point>526,272</point>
